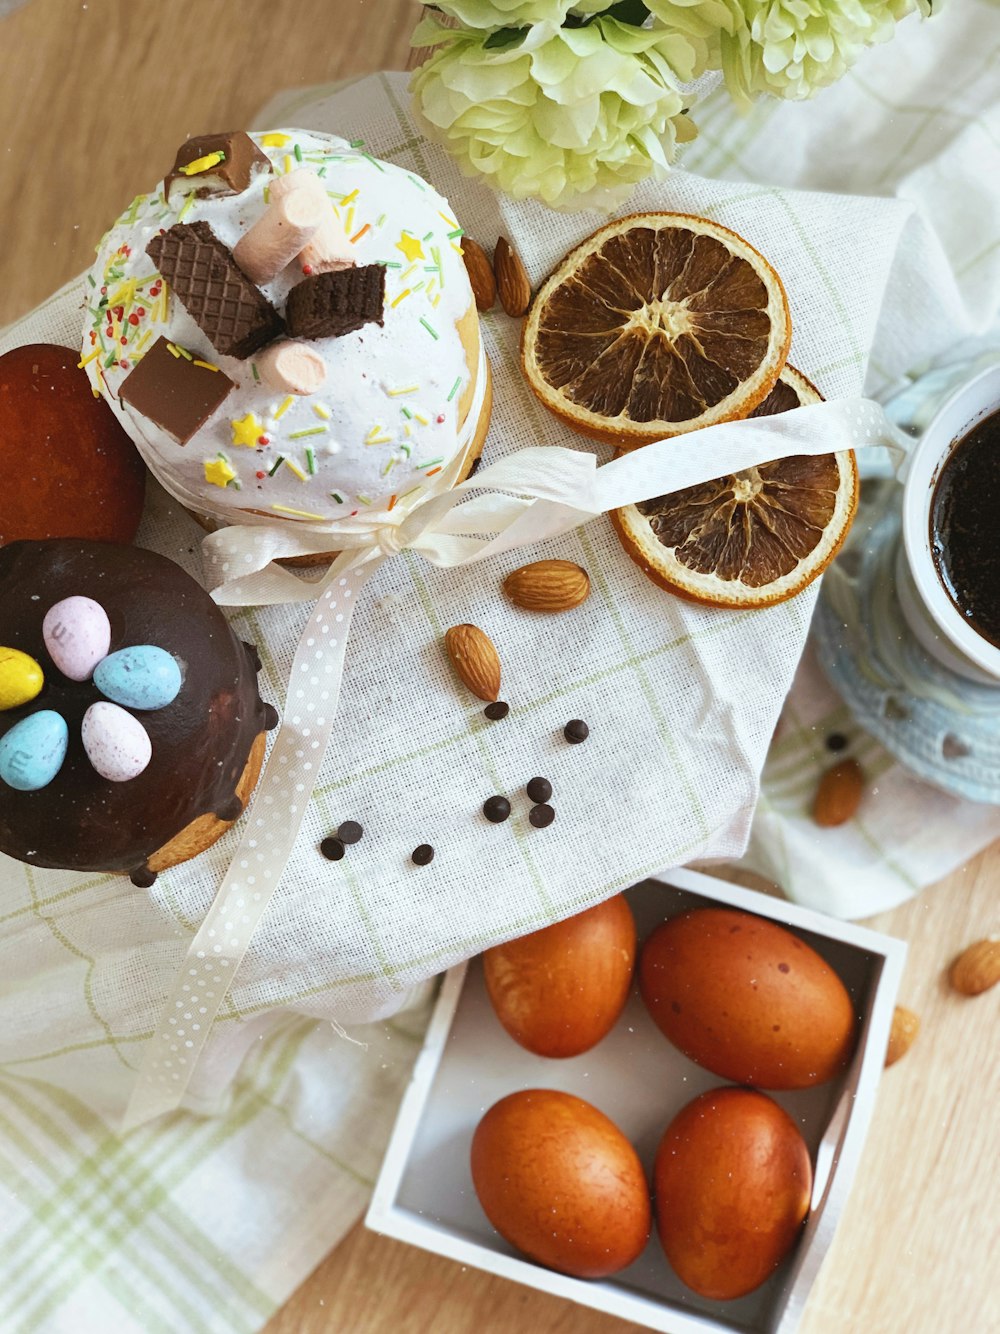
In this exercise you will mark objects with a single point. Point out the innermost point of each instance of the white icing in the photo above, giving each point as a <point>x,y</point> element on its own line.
<point>369,447</point>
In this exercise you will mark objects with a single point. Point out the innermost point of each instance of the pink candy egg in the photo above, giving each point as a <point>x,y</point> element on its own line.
<point>116,743</point>
<point>77,635</point>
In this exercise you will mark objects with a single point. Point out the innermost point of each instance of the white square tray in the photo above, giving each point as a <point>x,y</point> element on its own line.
<point>424,1193</point>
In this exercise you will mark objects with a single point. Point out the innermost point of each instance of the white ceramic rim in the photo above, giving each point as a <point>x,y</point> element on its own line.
<point>970,404</point>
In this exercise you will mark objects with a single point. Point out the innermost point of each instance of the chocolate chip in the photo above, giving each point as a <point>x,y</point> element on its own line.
<point>350,832</point>
<point>423,855</point>
<point>541,815</point>
<point>270,717</point>
<point>497,710</point>
<point>836,741</point>
<point>539,789</point>
<point>253,655</point>
<point>332,849</point>
<point>575,731</point>
<point>496,809</point>
<point>142,877</point>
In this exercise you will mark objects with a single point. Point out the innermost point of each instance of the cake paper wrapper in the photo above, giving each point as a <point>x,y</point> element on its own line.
<point>681,699</point>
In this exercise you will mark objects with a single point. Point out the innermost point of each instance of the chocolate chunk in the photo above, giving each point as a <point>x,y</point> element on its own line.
<point>539,789</point>
<point>497,710</point>
<point>350,832</point>
<point>231,312</point>
<point>423,855</point>
<point>328,305</point>
<point>270,717</point>
<point>575,731</point>
<point>496,809</point>
<point>142,877</point>
<point>541,816</point>
<point>172,391</point>
<point>231,174</point>
<point>332,849</point>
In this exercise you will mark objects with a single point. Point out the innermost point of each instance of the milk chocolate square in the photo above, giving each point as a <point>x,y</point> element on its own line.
<point>173,391</point>
<point>328,305</point>
<point>242,160</point>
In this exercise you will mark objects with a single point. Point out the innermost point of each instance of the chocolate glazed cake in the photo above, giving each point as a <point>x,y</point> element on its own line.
<point>207,742</point>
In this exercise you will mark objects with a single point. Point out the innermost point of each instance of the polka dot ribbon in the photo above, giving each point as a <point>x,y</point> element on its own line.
<point>525,498</point>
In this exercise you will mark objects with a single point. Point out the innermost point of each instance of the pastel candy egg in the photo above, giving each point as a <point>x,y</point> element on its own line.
<point>144,677</point>
<point>32,752</point>
<point>21,678</point>
<point>77,634</point>
<point>117,744</point>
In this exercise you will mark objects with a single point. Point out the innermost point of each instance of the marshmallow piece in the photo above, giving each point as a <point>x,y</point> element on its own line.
<point>330,248</point>
<point>278,236</point>
<point>292,368</point>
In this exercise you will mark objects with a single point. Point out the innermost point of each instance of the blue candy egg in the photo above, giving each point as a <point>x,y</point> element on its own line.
<point>32,752</point>
<point>143,677</point>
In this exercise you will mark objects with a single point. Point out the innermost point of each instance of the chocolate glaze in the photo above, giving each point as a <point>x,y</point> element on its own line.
<point>201,741</point>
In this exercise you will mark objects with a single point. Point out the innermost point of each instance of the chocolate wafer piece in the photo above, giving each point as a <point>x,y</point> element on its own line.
<point>328,305</point>
<point>175,390</point>
<point>233,314</point>
<point>216,164</point>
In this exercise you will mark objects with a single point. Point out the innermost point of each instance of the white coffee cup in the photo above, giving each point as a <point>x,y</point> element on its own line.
<point>930,613</point>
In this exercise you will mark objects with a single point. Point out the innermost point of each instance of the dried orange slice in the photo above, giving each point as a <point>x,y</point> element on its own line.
<point>660,323</point>
<point>752,538</point>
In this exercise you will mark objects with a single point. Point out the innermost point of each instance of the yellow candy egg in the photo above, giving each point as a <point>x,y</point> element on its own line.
<point>21,678</point>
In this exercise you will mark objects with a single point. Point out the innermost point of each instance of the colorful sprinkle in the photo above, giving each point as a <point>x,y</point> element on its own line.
<point>205,163</point>
<point>310,462</point>
<point>429,464</point>
<point>256,372</point>
<point>454,388</point>
<point>321,410</point>
<point>358,235</point>
<point>205,365</point>
<point>430,329</point>
<point>218,471</point>
<point>305,514</point>
<point>246,430</point>
<point>450,221</point>
<point>410,246</point>
<point>349,199</point>
<point>186,208</point>
<point>292,466</point>
<point>337,497</point>
<point>89,358</point>
<point>275,140</point>
<point>298,153</point>
<point>402,296</point>
<point>276,465</point>
<point>284,407</point>
<point>407,389</point>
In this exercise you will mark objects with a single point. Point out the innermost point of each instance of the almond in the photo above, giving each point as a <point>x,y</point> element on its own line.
<point>480,272</point>
<point>512,280</point>
<point>475,659</point>
<point>902,1035</point>
<point>839,794</point>
<point>977,968</point>
<point>548,585</point>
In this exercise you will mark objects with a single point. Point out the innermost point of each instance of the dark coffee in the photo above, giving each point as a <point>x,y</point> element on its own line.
<point>965,527</point>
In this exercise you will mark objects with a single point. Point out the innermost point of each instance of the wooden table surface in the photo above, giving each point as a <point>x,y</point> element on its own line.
<point>95,99</point>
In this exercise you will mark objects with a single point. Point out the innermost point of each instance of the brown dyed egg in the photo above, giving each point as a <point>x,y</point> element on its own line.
<point>560,990</point>
<point>747,999</point>
<point>732,1183</point>
<point>559,1180</point>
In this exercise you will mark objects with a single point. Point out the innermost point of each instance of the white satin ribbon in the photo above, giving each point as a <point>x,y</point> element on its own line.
<point>527,497</point>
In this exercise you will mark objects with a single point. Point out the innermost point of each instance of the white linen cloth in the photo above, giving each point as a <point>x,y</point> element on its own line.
<point>681,702</point>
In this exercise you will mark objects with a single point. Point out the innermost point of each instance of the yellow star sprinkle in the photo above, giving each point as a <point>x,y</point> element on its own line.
<point>275,140</point>
<point>246,430</point>
<point>218,472</point>
<point>411,247</point>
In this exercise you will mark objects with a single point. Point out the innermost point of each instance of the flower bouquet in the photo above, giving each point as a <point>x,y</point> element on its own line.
<point>575,101</point>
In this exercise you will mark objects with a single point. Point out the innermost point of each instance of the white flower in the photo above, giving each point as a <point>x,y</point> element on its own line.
<point>791,48</point>
<point>573,116</point>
